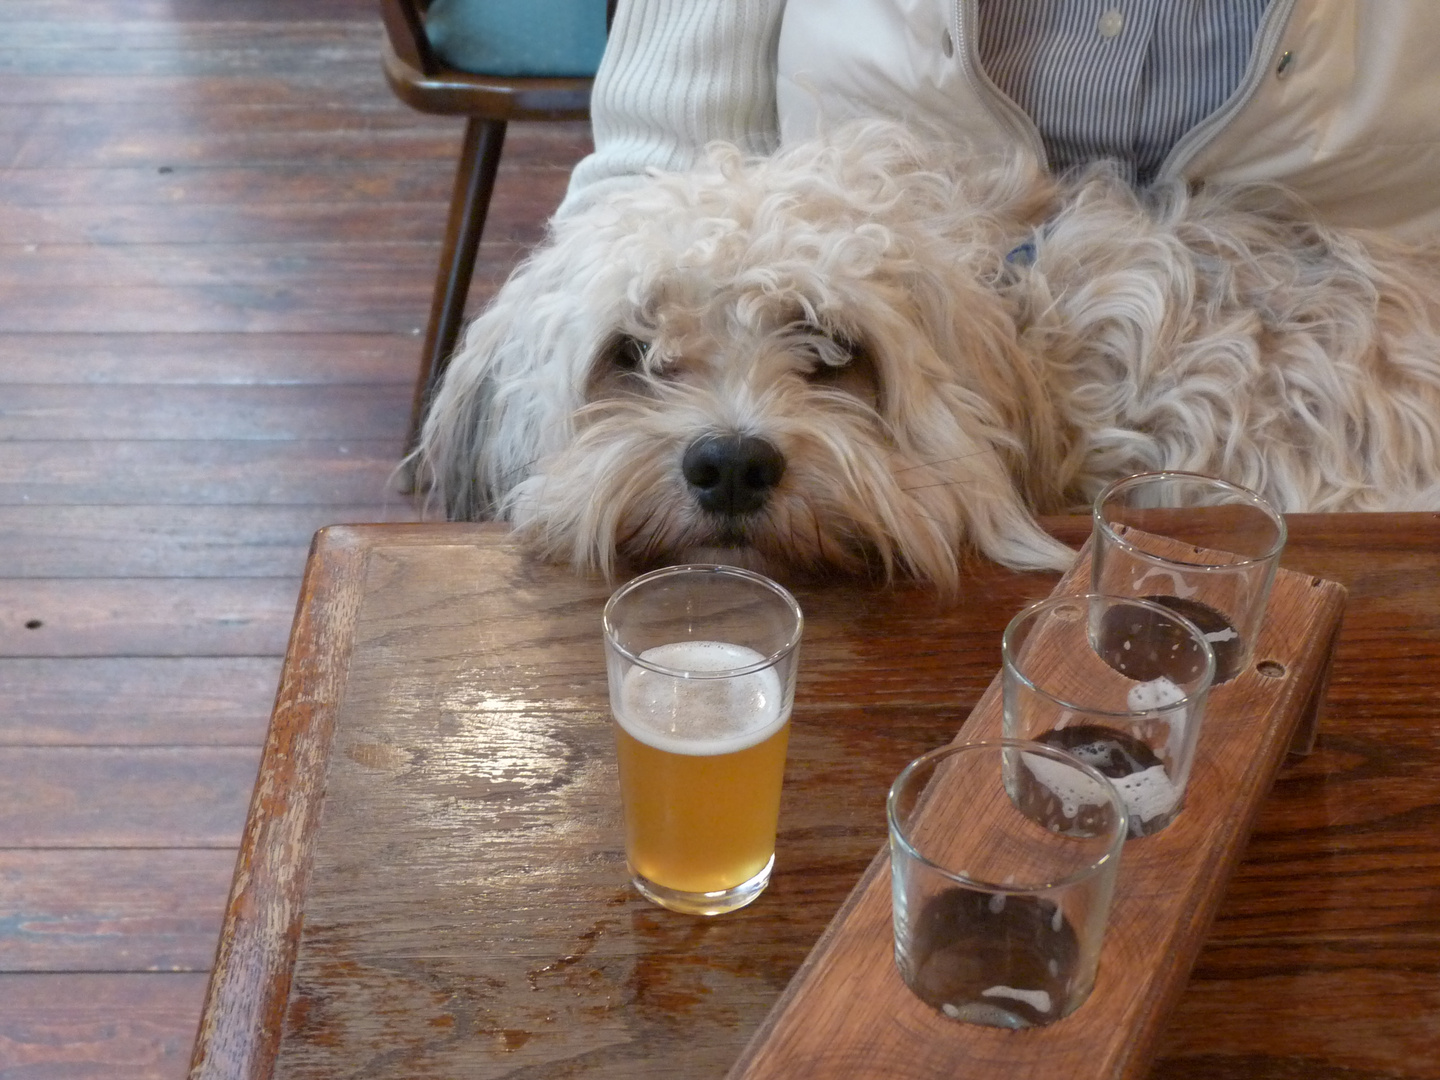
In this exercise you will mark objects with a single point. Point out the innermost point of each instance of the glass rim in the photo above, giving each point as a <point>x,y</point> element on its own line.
<point>1007,655</point>
<point>1111,854</point>
<point>791,643</point>
<point>1245,495</point>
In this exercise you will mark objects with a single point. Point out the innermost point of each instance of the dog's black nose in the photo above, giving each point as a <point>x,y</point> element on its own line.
<point>732,474</point>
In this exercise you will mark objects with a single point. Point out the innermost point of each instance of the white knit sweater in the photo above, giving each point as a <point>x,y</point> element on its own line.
<point>675,77</point>
<point>1338,102</point>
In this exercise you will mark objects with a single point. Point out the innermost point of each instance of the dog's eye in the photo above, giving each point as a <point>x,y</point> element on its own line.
<point>626,353</point>
<point>845,364</point>
<point>833,353</point>
<point>618,369</point>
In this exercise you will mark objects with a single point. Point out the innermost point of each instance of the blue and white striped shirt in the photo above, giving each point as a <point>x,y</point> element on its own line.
<point>1118,79</point>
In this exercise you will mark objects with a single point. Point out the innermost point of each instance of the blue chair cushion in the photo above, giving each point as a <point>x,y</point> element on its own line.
<point>537,38</point>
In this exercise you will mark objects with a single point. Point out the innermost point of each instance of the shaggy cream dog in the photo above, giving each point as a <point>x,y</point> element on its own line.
<point>872,354</point>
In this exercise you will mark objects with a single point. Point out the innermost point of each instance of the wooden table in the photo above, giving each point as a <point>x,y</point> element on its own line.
<point>432,882</point>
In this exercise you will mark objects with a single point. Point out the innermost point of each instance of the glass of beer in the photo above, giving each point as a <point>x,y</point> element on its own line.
<point>701,663</point>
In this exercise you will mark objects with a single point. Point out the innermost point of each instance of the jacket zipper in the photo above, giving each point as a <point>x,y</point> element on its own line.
<point>1010,116</point>
<point>1272,31</point>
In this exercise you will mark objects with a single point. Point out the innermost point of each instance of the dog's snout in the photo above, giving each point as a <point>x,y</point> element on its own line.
<point>732,474</point>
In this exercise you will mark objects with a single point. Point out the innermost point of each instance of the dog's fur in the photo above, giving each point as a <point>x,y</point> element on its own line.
<point>939,347</point>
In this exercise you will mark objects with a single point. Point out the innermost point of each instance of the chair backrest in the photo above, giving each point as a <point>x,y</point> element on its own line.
<point>405,26</point>
<point>502,38</point>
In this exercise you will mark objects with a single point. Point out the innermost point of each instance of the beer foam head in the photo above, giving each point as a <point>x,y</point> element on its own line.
<point>701,715</point>
<point>1148,794</point>
<point>1073,788</point>
<point>1153,695</point>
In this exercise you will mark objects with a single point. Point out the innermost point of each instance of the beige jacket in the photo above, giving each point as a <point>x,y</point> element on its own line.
<point>1341,102</point>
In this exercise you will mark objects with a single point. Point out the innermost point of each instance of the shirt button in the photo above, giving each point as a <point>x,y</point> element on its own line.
<point>1111,23</point>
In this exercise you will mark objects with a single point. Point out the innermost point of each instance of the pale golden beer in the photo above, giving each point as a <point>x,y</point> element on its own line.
<point>701,765</point>
<point>701,666</point>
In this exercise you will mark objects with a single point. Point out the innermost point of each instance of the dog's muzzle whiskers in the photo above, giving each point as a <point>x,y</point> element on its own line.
<point>953,483</point>
<point>935,463</point>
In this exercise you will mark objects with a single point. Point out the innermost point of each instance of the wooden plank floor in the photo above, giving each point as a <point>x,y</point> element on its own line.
<point>218,234</point>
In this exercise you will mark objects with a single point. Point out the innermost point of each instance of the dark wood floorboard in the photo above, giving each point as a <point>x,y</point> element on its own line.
<point>170,472</point>
<point>218,234</point>
<point>198,616</point>
<point>138,700</point>
<point>125,796</point>
<point>257,540</point>
<point>123,1026</point>
<point>206,359</point>
<point>93,909</point>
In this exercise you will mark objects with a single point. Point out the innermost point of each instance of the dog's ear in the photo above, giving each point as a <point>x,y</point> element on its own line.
<point>1005,531</point>
<point>969,398</point>
<point>452,447</point>
<point>508,393</point>
<point>460,424</point>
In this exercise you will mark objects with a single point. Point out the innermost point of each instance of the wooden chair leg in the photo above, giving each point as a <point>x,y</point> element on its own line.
<point>474,183</point>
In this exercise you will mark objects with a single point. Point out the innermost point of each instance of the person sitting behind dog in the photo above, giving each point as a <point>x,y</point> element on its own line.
<point>1331,98</point>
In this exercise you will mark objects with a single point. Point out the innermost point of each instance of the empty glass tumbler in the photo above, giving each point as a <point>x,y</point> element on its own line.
<point>1000,900</point>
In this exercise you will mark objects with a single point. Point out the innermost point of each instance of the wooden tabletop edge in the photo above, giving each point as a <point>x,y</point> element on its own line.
<point>240,1020</point>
